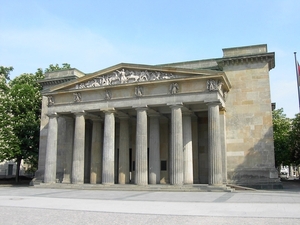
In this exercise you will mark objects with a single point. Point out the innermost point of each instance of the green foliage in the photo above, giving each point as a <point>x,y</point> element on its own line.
<point>295,139</point>
<point>20,110</point>
<point>281,132</point>
<point>4,77</point>
<point>20,119</point>
<point>53,68</point>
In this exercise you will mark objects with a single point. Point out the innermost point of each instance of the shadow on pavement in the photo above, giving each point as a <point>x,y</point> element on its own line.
<point>291,185</point>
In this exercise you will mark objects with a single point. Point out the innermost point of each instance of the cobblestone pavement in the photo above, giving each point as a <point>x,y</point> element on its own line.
<point>29,205</point>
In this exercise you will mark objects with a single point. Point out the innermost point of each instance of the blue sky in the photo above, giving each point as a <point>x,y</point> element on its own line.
<point>92,35</point>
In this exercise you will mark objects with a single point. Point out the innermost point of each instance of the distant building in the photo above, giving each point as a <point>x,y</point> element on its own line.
<point>8,169</point>
<point>204,121</point>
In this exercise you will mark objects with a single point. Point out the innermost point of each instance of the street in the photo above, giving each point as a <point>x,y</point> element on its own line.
<point>30,205</point>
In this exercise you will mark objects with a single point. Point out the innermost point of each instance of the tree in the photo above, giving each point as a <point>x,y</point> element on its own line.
<point>21,119</point>
<point>53,68</point>
<point>20,110</point>
<point>8,139</point>
<point>295,139</point>
<point>281,132</point>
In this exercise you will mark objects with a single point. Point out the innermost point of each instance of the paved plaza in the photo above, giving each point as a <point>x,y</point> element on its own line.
<point>30,205</point>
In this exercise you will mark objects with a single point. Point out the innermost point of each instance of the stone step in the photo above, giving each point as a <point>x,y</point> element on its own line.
<point>132,187</point>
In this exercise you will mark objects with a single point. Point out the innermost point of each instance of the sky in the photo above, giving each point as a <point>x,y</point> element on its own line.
<point>94,34</point>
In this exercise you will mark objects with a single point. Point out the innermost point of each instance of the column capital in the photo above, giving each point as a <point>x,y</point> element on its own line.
<point>79,113</point>
<point>51,115</point>
<point>140,108</point>
<point>108,110</point>
<point>175,105</point>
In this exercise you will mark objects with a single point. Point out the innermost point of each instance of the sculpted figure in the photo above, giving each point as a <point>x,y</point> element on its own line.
<point>113,78</point>
<point>50,100</point>
<point>95,83</point>
<point>133,76</point>
<point>77,97</point>
<point>122,75</point>
<point>168,76</point>
<point>174,88</point>
<point>105,81</point>
<point>144,76</point>
<point>107,95</point>
<point>214,85</point>
<point>139,91</point>
<point>81,86</point>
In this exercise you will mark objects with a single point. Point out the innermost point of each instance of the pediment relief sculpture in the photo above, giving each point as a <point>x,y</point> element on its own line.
<point>125,76</point>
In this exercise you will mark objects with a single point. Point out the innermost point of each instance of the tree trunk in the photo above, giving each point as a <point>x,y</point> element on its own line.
<point>18,169</point>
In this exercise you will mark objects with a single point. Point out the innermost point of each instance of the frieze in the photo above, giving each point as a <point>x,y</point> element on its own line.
<point>214,85</point>
<point>174,87</point>
<point>77,97</point>
<point>139,91</point>
<point>125,76</point>
<point>50,100</point>
<point>107,95</point>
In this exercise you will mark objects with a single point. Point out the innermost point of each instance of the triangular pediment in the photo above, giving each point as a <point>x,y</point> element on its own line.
<point>126,74</point>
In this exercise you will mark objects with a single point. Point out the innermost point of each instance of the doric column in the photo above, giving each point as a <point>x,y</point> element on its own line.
<point>78,149</point>
<point>154,150</point>
<point>187,149</point>
<point>141,170</point>
<point>51,151</point>
<point>223,144</point>
<point>69,141</point>
<point>124,151</point>
<point>108,164</point>
<point>176,153</point>
<point>87,151</point>
<point>214,145</point>
<point>96,152</point>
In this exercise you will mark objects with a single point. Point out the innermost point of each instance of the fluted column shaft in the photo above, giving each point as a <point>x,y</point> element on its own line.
<point>223,144</point>
<point>124,151</point>
<point>187,149</point>
<point>154,150</point>
<point>51,151</point>
<point>214,145</point>
<point>96,152</point>
<point>108,170</point>
<point>176,156</point>
<point>78,149</point>
<point>141,170</point>
<point>69,129</point>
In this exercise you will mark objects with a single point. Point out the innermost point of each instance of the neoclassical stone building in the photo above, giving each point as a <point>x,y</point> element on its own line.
<point>197,122</point>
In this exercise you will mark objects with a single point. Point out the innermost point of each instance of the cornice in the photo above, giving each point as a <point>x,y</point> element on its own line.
<point>248,59</point>
<point>55,81</point>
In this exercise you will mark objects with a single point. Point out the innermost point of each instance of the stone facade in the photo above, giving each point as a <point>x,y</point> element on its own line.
<point>198,122</point>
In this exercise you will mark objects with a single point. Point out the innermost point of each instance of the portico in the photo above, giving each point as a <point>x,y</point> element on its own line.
<point>127,144</point>
<point>141,124</point>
